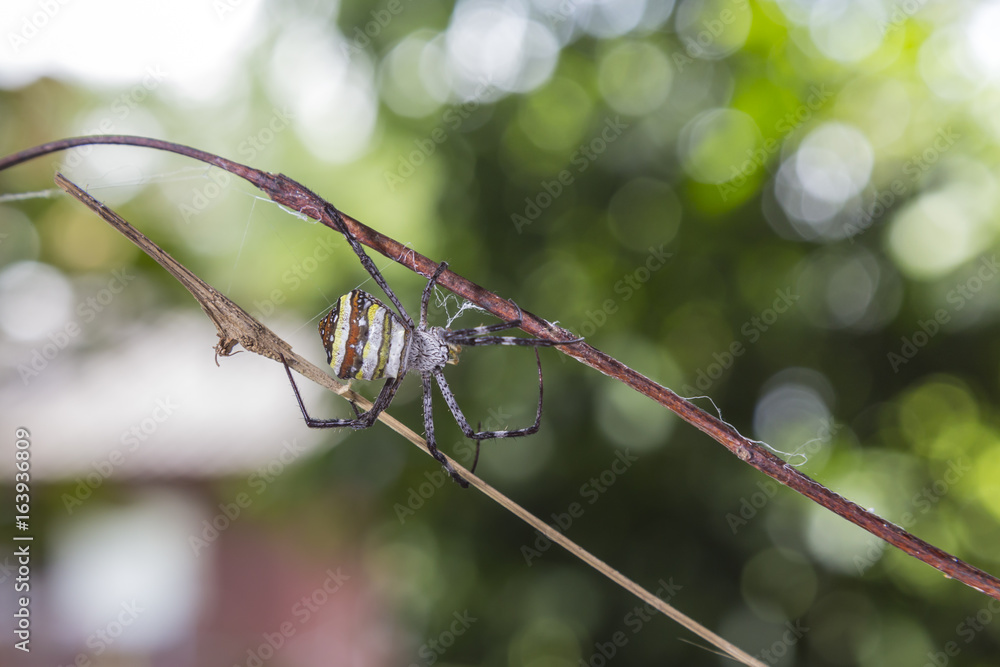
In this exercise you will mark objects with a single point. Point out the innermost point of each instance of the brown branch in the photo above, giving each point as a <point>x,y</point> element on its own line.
<point>299,198</point>
<point>235,325</point>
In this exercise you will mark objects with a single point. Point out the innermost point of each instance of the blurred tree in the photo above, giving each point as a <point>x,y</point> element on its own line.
<point>787,207</point>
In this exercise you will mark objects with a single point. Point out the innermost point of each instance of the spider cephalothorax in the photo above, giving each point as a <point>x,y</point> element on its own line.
<point>365,340</point>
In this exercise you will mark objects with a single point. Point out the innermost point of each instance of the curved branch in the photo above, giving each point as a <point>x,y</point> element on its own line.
<point>287,192</point>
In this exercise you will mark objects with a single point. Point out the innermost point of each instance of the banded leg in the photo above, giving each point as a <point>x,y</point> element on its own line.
<point>476,332</point>
<point>510,340</point>
<point>477,335</point>
<point>475,461</point>
<point>362,419</point>
<point>367,262</point>
<point>425,298</point>
<point>449,399</point>
<point>464,336</point>
<point>429,431</point>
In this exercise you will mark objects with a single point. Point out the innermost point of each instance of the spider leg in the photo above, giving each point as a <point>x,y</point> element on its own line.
<point>449,399</point>
<point>475,461</point>
<point>482,330</point>
<point>477,335</point>
<point>367,262</point>
<point>361,420</point>
<point>425,298</point>
<point>429,432</point>
<point>510,340</point>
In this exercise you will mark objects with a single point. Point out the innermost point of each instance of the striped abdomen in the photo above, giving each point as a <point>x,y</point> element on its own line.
<point>363,338</point>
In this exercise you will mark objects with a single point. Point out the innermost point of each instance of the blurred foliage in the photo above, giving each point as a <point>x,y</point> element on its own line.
<point>787,207</point>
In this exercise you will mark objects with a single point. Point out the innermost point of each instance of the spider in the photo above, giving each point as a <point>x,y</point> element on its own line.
<point>365,340</point>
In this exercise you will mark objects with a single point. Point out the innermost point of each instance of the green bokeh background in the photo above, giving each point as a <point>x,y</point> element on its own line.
<point>787,208</point>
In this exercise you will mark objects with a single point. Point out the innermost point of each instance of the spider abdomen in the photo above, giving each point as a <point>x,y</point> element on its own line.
<point>364,340</point>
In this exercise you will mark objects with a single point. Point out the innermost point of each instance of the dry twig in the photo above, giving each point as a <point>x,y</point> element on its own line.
<point>235,325</point>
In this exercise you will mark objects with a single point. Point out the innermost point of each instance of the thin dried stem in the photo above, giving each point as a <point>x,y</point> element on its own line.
<point>235,325</point>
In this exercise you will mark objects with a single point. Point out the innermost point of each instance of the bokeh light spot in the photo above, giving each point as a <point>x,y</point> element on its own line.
<point>35,300</point>
<point>400,83</point>
<point>635,77</point>
<point>715,142</point>
<point>554,118</point>
<point>932,236</point>
<point>847,30</point>
<point>713,29</point>
<point>645,213</point>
